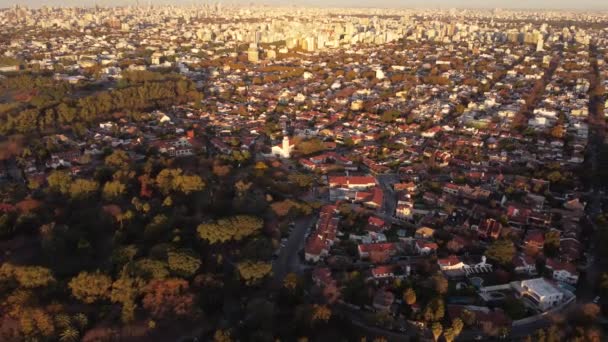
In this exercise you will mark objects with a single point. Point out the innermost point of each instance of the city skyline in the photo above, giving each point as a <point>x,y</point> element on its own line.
<point>465,4</point>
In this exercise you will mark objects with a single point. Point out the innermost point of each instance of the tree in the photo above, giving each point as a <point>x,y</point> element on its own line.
<point>291,281</point>
<point>552,243</point>
<point>436,329</point>
<point>553,334</point>
<point>409,296</point>
<point>558,131</point>
<point>59,181</point>
<point>252,272</point>
<point>514,308</point>
<point>321,313</point>
<point>307,147</point>
<point>603,283</point>
<point>113,190</point>
<point>36,322</point>
<point>27,276</point>
<point>234,228</point>
<point>151,268</point>
<point>501,251</point>
<point>540,335</point>
<point>590,311</point>
<point>457,326</point>
<point>69,334</point>
<point>468,317</point>
<point>125,291</point>
<point>90,287</point>
<point>555,177</point>
<point>169,180</point>
<point>118,159</point>
<point>449,335</point>
<point>183,262</point>
<point>440,283</point>
<point>301,180</point>
<point>165,298</point>
<point>221,336</point>
<point>83,188</point>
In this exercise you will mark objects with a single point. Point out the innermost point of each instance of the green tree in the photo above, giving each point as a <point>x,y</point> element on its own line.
<point>501,251</point>
<point>312,146</point>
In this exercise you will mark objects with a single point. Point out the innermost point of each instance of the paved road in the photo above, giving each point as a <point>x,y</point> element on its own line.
<point>288,260</point>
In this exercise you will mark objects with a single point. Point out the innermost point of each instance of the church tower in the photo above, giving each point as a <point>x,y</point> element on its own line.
<point>286,147</point>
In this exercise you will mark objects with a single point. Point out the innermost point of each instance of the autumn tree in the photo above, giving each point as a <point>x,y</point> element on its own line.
<point>183,263</point>
<point>28,277</point>
<point>436,329</point>
<point>59,181</point>
<point>173,180</point>
<point>118,159</point>
<point>234,228</point>
<point>468,317</point>
<point>83,188</point>
<point>320,313</point>
<point>440,283</point>
<point>252,272</point>
<point>291,281</point>
<point>449,335</point>
<point>113,190</point>
<point>36,323</point>
<point>125,291</point>
<point>151,268</point>
<point>90,287</point>
<point>221,336</point>
<point>457,326</point>
<point>552,243</point>
<point>409,296</point>
<point>165,298</point>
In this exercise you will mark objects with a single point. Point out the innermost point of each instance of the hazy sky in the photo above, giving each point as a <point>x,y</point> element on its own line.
<point>554,4</point>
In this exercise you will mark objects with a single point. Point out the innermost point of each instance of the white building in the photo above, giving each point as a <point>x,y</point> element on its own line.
<point>284,150</point>
<point>542,293</point>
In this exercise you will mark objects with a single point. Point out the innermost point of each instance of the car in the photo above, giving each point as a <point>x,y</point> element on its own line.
<point>596,300</point>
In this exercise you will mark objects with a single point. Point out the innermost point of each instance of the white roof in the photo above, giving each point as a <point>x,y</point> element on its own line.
<point>540,286</point>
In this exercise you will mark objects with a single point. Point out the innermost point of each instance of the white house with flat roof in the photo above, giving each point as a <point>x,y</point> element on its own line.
<point>542,293</point>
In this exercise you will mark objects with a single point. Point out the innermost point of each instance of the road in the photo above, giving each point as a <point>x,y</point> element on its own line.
<point>288,260</point>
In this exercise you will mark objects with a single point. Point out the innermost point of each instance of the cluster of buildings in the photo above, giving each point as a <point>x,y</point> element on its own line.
<point>443,131</point>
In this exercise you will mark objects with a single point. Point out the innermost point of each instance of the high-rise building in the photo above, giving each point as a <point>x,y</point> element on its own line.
<point>540,44</point>
<point>253,55</point>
